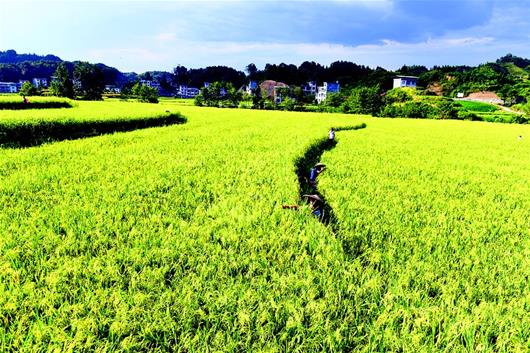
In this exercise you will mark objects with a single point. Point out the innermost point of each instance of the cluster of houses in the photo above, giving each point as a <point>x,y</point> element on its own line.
<point>274,89</point>
<point>268,88</point>
<point>14,87</point>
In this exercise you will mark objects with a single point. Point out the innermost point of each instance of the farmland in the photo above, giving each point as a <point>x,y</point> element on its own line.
<point>174,238</point>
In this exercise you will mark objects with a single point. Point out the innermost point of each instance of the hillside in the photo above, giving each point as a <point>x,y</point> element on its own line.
<point>15,67</point>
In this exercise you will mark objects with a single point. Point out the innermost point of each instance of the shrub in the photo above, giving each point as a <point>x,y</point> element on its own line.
<point>417,110</point>
<point>448,109</point>
<point>145,94</point>
<point>363,100</point>
<point>398,95</point>
<point>466,115</point>
<point>28,89</point>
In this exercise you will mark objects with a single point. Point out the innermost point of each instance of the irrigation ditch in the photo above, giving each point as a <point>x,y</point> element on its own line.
<point>303,167</point>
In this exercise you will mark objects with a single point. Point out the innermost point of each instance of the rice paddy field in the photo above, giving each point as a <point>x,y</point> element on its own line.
<point>173,238</point>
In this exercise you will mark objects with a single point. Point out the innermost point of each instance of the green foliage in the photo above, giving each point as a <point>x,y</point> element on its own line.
<point>145,94</point>
<point>334,100</point>
<point>89,81</point>
<point>219,94</point>
<point>399,95</point>
<point>174,238</point>
<point>363,100</point>
<point>448,109</point>
<point>19,130</point>
<point>467,115</point>
<point>414,110</point>
<point>478,106</point>
<point>28,89</point>
<point>15,102</point>
<point>289,104</point>
<point>62,85</point>
<point>509,94</point>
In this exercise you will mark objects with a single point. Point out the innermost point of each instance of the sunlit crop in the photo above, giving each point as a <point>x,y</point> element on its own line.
<point>174,239</point>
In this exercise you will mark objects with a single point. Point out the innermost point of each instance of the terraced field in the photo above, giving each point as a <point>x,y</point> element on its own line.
<point>174,239</point>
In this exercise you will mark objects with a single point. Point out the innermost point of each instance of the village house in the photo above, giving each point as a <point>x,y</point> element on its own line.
<point>405,81</point>
<point>322,91</point>
<point>269,89</point>
<point>9,87</point>
<point>39,82</point>
<point>112,89</point>
<point>150,83</point>
<point>184,91</point>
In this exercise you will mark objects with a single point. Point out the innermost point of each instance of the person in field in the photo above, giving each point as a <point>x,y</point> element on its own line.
<point>315,172</point>
<point>26,101</point>
<point>317,205</point>
<point>331,135</point>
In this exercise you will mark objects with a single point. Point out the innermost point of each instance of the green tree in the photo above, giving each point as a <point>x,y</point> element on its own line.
<point>28,89</point>
<point>219,94</point>
<point>363,100</point>
<point>509,94</point>
<point>89,81</point>
<point>448,109</point>
<point>398,95</point>
<point>334,100</point>
<point>145,94</point>
<point>62,85</point>
<point>257,100</point>
<point>251,70</point>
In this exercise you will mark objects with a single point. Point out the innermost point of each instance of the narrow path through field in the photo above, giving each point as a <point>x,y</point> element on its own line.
<point>303,166</point>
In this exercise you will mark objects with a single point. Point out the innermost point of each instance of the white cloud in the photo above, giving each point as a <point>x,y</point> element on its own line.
<point>388,53</point>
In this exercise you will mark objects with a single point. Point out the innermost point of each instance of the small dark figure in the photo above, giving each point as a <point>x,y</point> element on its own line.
<point>317,205</point>
<point>331,134</point>
<point>26,101</point>
<point>314,172</point>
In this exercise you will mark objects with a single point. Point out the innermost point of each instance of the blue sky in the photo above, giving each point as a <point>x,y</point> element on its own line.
<point>140,35</point>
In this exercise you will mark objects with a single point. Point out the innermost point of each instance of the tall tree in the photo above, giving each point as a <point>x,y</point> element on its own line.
<point>90,81</point>
<point>251,70</point>
<point>28,89</point>
<point>180,75</point>
<point>62,85</point>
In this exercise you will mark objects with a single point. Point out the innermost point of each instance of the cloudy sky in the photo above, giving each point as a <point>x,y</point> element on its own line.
<point>147,35</point>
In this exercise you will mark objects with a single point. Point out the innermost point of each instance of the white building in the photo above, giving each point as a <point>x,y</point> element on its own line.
<point>112,89</point>
<point>9,87</point>
<point>405,81</point>
<point>322,91</point>
<point>184,91</point>
<point>39,82</point>
<point>150,83</point>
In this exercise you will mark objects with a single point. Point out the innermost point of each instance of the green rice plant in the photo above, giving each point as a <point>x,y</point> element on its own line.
<point>478,106</point>
<point>174,238</point>
<point>437,215</point>
<point>15,102</point>
<point>22,129</point>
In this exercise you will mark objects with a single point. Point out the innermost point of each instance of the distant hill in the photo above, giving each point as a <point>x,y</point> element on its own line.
<point>12,57</point>
<point>15,67</point>
<point>509,75</point>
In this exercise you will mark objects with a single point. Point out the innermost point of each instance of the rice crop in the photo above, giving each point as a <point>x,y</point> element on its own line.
<point>174,238</point>
<point>34,127</point>
<point>481,107</point>
<point>16,102</point>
